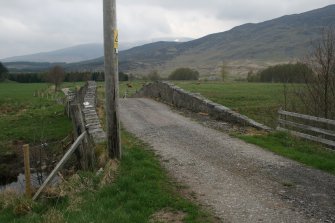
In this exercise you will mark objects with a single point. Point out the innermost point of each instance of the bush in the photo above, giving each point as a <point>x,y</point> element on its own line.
<point>283,73</point>
<point>69,77</point>
<point>184,74</point>
<point>123,76</point>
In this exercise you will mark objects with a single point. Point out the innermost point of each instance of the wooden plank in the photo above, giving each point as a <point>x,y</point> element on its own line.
<point>307,117</point>
<point>60,164</point>
<point>306,127</point>
<point>309,137</point>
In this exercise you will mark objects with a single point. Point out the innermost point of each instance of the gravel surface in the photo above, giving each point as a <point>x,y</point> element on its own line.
<point>238,181</point>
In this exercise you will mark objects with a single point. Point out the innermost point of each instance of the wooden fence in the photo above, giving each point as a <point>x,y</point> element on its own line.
<point>67,155</point>
<point>312,128</point>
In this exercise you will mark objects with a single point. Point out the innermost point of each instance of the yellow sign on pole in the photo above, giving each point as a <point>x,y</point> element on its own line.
<point>116,39</point>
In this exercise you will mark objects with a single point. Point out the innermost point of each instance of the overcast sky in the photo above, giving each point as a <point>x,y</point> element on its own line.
<point>30,26</point>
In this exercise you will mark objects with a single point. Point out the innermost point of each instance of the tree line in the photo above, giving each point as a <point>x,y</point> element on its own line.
<point>282,73</point>
<point>57,74</point>
<point>66,77</point>
<point>3,72</point>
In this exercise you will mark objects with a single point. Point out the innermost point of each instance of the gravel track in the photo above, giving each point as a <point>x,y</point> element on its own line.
<point>240,182</point>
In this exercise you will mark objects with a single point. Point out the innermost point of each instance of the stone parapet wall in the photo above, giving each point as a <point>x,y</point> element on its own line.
<point>176,96</point>
<point>81,107</point>
<point>88,102</point>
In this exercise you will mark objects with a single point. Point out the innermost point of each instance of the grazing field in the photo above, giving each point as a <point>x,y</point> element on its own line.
<point>25,119</point>
<point>259,101</point>
<point>28,118</point>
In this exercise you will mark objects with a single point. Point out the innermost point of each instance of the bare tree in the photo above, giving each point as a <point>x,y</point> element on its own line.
<point>56,76</point>
<point>319,94</point>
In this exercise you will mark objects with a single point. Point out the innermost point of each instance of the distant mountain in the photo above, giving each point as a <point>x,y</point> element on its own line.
<point>81,52</point>
<point>18,67</point>
<point>153,51</point>
<point>69,55</point>
<point>249,46</point>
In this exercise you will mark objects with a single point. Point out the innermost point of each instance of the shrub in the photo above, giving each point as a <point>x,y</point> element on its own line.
<point>184,74</point>
<point>282,73</point>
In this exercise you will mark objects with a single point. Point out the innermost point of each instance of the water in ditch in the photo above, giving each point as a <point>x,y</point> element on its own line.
<point>19,185</point>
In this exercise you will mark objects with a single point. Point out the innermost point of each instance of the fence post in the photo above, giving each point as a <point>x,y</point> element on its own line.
<point>27,169</point>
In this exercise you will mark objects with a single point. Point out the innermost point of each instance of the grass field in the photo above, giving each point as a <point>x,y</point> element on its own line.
<point>259,101</point>
<point>30,119</point>
<point>27,118</point>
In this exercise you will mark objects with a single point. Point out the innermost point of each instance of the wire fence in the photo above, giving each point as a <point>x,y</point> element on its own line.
<point>43,158</point>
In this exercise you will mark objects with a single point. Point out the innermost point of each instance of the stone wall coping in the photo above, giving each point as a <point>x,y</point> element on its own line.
<point>150,90</point>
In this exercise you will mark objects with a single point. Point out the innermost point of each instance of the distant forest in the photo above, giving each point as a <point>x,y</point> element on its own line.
<point>283,73</point>
<point>69,77</point>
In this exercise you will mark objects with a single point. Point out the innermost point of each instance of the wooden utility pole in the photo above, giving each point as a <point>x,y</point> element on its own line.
<point>111,79</point>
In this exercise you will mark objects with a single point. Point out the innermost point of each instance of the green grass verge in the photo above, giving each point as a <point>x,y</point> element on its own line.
<point>300,150</point>
<point>141,189</point>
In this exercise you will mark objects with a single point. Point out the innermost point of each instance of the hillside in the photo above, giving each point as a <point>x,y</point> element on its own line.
<point>82,52</point>
<point>69,55</point>
<point>249,46</point>
<point>243,48</point>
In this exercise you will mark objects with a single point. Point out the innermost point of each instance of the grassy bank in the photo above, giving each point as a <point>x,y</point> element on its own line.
<point>141,190</point>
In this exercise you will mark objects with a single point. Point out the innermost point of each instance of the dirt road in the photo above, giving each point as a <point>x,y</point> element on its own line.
<point>238,181</point>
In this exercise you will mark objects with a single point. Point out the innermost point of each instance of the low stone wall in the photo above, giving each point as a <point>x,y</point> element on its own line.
<point>178,97</point>
<point>88,102</point>
<point>81,108</point>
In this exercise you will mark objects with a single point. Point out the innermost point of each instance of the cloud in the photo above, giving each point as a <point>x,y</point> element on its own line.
<point>43,25</point>
<point>140,22</point>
